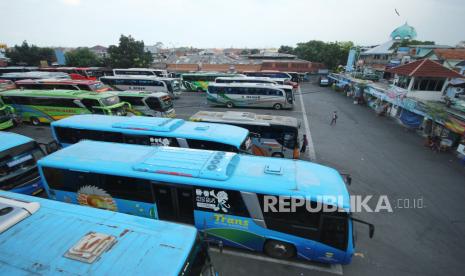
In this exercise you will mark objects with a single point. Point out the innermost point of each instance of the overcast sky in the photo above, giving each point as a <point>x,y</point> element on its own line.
<point>220,23</point>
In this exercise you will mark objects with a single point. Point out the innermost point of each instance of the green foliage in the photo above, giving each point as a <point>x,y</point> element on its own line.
<point>436,110</point>
<point>407,42</point>
<point>82,57</point>
<point>31,55</point>
<point>331,54</point>
<point>284,49</point>
<point>129,53</point>
<point>254,51</point>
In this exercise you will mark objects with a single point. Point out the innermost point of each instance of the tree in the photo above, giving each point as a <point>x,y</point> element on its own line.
<point>284,49</point>
<point>331,54</point>
<point>245,52</point>
<point>30,54</point>
<point>82,57</point>
<point>254,51</point>
<point>129,53</point>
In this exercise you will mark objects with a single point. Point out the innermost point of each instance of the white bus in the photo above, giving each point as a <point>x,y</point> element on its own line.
<point>276,136</point>
<point>250,95</point>
<point>140,72</point>
<point>245,80</point>
<point>143,83</point>
<point>144,103</point>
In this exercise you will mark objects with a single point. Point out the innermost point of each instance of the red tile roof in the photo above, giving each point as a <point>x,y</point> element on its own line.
<point>425,68</point>
<point>458,54</point>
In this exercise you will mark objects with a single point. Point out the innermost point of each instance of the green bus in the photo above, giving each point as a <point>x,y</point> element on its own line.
<point>6,116</point>
<point>45,106</point>
<point>199,81</point>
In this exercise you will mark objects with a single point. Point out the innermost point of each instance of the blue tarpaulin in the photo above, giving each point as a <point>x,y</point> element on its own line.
<point>410,119</point>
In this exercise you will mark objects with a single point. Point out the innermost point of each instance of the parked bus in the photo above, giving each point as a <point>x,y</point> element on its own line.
<point>275,136</point>
<point>16,69</point>
<point>250,95</point>
<point>33,75</point>
<point>142,83</point>
<point>144,103</point>
<point>45,106</point>
<point>18,163</point>
<point>7,114</point>
<point>270,74</point>
<point>6,85</point>
<point>78,73</point>
<point>46,237</point>
<point>151,132</point>
<point>223,194</point>
<point>245,80</point>
<point>50,84</point>
<point>199,81</point>
<point>140,72</point>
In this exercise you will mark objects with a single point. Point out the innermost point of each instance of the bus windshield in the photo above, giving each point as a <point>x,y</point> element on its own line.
<point>109,101</point>
<point>166,102</point>
<point>198,262</point>
<point>17,164</point>
<point>98,86</point>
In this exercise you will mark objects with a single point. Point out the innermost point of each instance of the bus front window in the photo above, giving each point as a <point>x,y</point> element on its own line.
<point>198,262</point>
<point>109,101</point>
<point>18,165</point>
<point>166,102</point>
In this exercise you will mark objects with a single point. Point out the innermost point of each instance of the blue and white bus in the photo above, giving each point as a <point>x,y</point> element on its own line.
<point>18,168</point>
<point>151,132</point>
<point>223,194</point>
<point>45,237</point>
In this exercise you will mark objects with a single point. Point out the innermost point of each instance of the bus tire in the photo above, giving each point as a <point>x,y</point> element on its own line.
<point>277,154</point>
<point>277,106</point>
<point>229,105</point>
<point>279,250</point>
<point>35,121</point>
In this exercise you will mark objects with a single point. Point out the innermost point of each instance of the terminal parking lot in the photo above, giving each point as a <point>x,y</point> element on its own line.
<point>383,159</point>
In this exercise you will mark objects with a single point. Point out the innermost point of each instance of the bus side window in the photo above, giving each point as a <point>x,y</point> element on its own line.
<point>111,136</point>
<point>300,223</point>
<point>128,188</point>
<point>208,145</point>
<point>90,103</point>
<point>220,201</point>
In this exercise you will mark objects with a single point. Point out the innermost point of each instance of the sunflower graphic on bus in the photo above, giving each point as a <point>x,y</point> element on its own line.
<point>95,197</point>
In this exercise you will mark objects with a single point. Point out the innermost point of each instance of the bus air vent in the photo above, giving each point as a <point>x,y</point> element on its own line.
<point>235,115</point>
<point>188,163</point>
<point>150,124</point>
<point>13,211</point>
<point>273,169</point>
<point>90,247</point>
<point>202,128</point>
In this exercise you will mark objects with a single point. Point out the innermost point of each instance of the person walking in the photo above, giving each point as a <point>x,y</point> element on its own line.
<point>304,144</point>
<point>334,118</point>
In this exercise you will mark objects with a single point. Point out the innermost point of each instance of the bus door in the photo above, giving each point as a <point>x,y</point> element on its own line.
<point>174,203</point>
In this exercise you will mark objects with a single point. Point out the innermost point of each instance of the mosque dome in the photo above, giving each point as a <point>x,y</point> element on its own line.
<point>404,32</point>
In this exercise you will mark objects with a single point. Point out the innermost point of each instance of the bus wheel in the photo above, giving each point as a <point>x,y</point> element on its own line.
<point>35,121</point>
<point>279,250</point>
<point>278,154</point>
<point>277,106</point>
<point>229,105</point>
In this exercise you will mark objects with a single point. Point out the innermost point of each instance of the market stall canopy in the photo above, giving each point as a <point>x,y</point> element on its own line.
<point>425,68</point>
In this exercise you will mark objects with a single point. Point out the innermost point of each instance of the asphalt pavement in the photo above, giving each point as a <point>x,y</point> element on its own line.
<point>383,158</point>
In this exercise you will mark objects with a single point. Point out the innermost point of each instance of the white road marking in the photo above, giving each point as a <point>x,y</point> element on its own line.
<point>333,269</point>
<point>310,148</point>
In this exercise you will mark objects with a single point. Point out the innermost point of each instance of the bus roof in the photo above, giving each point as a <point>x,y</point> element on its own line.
<point>270,176</point>
<point>9,140</point>
<point>35,75</point>
<point>250,84</point>
<point>141,94</point>
<point>136,77</point>
<point>247,78</point>
<point>58,93</point>
<point>57,81</point>
<point>39,242</point>
<point>165,127</point>
<point>249,118</point>
<point>212,74</point>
